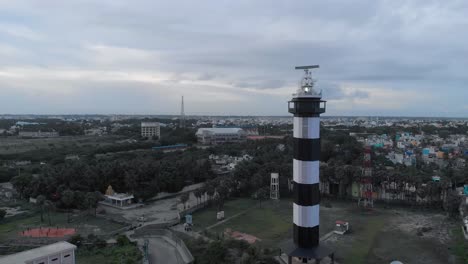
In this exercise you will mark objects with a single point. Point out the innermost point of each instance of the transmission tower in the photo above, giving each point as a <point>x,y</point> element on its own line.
<point>365,198</point>
<point>182,114</point>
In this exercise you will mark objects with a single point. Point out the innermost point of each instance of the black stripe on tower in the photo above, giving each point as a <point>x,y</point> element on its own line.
<point>306,194</point>
<point>306,237</point>
<point>306,115</point>
<point>306,149</point>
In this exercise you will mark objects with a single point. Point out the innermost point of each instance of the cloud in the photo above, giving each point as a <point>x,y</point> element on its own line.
<point>377,57</point>
<point>378,100</point>
<point>20,31</point>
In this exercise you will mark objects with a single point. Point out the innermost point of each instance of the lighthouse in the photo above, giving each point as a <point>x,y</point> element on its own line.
<point>306,106</point>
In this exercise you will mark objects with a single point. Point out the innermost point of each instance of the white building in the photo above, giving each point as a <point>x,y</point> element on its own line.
<point>72,157</point>
<point>57,253</point>
<point>99,131</point>
<point>220,135</point>
<point>118,199</point>
<point>150,129</point>
<point>37,134</point>
<point>228,162</point>
<point>400,158</point>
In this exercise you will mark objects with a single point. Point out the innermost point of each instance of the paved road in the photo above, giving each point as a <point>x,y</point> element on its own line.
<point>161,252</point>
<point>158,212</point>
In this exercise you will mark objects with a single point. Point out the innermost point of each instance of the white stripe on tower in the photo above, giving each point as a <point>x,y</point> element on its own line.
<point>306,172</point>
<point>306,216</point>
<point>307,127</point>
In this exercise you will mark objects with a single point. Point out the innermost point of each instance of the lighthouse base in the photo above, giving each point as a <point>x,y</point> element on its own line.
<point>311,255</point>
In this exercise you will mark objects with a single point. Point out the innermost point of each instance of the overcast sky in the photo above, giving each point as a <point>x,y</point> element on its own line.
<point>392,57</point>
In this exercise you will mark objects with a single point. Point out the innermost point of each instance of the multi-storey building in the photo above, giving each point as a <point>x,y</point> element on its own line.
<point>220,135</point>
<point>150,129</point>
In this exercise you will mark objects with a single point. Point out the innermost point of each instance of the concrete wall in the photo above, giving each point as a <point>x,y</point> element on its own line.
<point>169,237</point>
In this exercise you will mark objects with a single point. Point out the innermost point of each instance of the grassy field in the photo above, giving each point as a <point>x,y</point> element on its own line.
<point>269,222</point>
<point>361,246</point>
<point>377,236</point>
<point>109,255</point>
<point>89,259</point>
<point>10,228</point>
<point>85,224</point>
<point>14,145</point>
<point>460,245</point>
<point>207,217</point>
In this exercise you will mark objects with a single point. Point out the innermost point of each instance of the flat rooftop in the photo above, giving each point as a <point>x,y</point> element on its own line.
<point>150,124</point>
<point>120,196</point>
<point>220,130</point>
<point>35,253</point>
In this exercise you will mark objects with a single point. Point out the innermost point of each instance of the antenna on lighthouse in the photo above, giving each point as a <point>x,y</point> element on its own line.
<point>306,86</point>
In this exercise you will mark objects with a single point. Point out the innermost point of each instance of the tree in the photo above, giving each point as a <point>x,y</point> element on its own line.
<point>202,191</point>
<point>21,183</point>
<point>122,240</point>
<point>135,173</point>
<point>263,194</point>
<point>215,253</point>
<point>48,205</point>
<point>339,176</point>
<point>2,214</point>
<point>91,201</point>
<point>76,240</point>
<point>40,202</point>
<point>453,203</point>
<point>184,198</point>
<point>99,243</point>
<point>99,197</point>
<point>67,199</point>
<point>220,197</point>
<point>79,200</point>
<point>131,180</point>
<point>197,194</point>
<point>210,189</point>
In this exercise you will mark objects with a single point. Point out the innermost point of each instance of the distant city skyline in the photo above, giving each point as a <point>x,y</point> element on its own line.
<point>377,58</point>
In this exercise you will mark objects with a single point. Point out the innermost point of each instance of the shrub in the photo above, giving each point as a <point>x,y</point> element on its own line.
<point>76,240</point>
<point>123,240</point>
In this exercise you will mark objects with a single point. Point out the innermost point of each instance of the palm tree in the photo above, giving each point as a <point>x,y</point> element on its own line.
<point>210,189</point>
<point>91,200</point>
<point>49,205</point>
<point>184,198</point>
<point>222,194</point>
<point>202,194</point>
<point>67,200</point>
<point>40,202</point>
<point>262,194</point>
<point>198,194</point>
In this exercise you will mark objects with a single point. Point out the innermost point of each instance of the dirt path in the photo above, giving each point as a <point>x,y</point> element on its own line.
<point>229,218</point>
<point>196,235</point>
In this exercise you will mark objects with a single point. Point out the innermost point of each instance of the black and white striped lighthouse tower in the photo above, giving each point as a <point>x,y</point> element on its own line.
<point>307,105</point>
